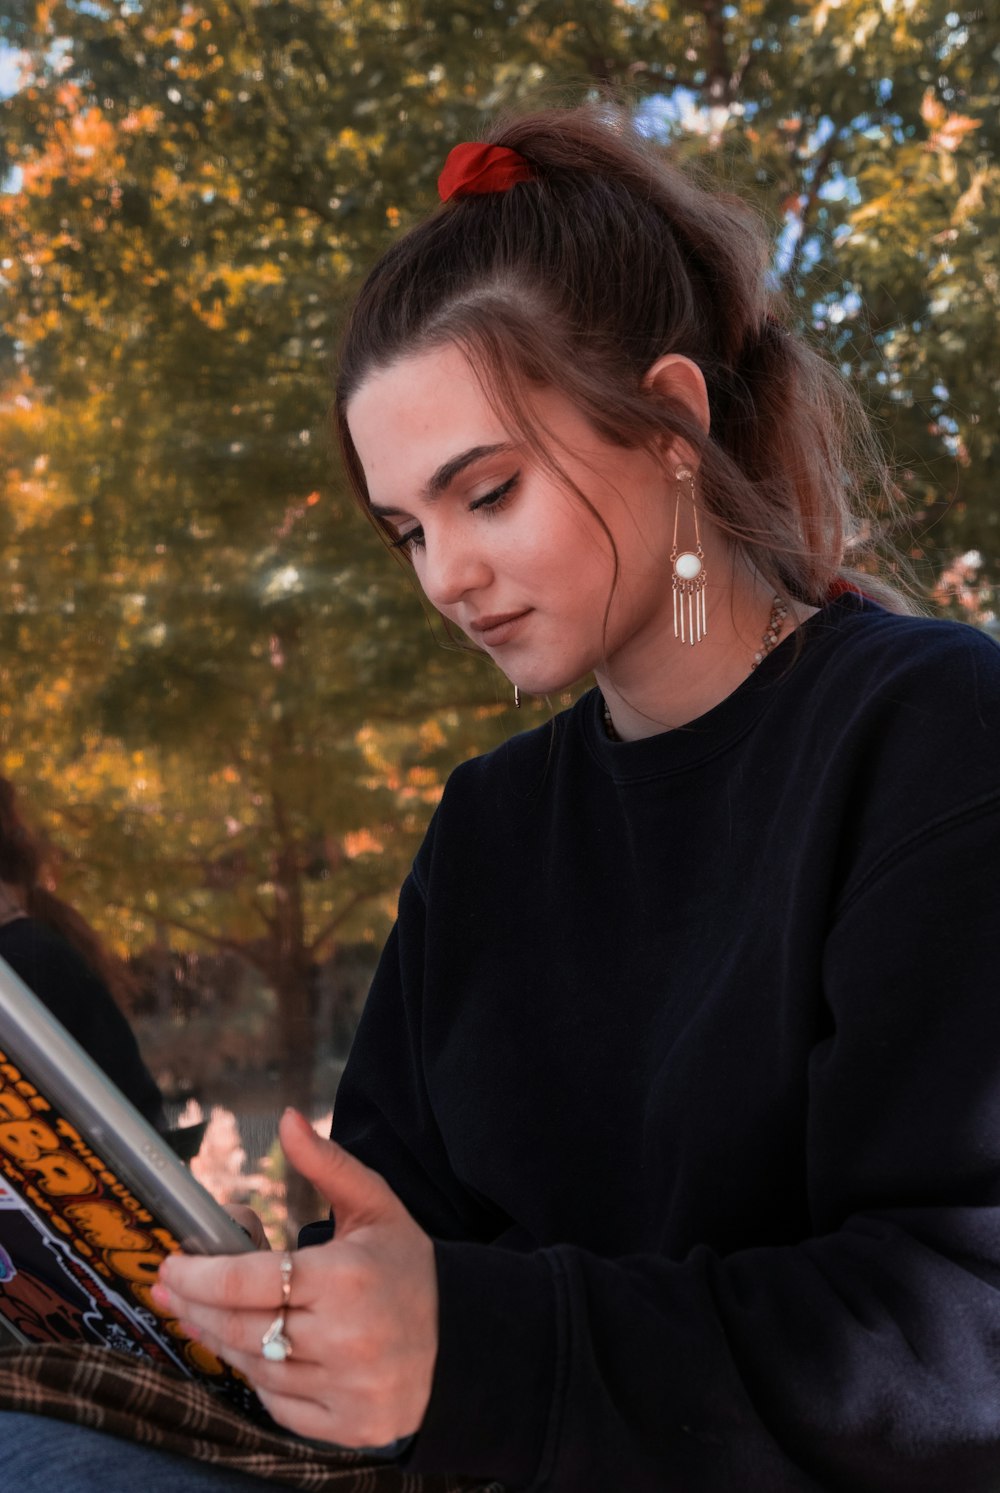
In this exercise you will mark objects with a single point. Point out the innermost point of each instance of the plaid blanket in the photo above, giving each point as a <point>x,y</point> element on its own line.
<point>148,1404</point>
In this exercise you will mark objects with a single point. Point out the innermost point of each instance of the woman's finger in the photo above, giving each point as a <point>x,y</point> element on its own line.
<point>229,1332</point>
<point>234,1281</point>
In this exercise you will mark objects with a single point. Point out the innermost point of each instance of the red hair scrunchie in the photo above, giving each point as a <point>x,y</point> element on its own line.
<point>471,169</point>
<point>841,587</point>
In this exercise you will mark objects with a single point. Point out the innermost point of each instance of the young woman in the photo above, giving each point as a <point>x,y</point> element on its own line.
<point>668,1155</point>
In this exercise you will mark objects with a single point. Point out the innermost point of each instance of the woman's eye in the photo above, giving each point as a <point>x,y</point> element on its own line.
<point>490,502</point>
<point>413,539</point>
<point>495,499</point>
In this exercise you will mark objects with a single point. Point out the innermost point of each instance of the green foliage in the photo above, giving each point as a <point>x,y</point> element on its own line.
<point>228,703</point>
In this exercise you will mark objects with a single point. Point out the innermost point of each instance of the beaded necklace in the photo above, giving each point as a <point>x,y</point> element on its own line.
<point>772,632</point>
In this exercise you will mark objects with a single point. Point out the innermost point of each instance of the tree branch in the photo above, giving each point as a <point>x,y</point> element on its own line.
<point>336,920</point>
<point>231,945</point>
<point>821,171</point>
<point>719,74</point>
<point>266,918</point>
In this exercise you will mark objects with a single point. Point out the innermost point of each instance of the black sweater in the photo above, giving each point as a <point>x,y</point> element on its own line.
<point>686,1052</point>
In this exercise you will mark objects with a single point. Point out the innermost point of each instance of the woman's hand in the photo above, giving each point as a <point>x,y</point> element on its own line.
<point>362,1315</point>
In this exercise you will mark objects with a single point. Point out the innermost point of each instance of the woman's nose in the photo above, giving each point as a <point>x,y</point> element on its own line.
<point>450,566</point>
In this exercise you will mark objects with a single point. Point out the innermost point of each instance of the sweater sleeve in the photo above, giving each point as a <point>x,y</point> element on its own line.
<point>864,1358</point>
<point>383,1112</point>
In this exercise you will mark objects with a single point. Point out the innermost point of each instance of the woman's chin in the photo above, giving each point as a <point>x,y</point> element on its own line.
<point>547,687</point>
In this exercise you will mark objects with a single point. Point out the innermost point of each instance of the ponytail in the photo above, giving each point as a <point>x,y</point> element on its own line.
<point>608,257</point>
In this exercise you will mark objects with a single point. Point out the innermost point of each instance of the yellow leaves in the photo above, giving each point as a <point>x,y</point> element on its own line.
<point>250,276</point>
<point>947,131</point>
<point>361,148</point>
<point>30,491</point>
<point>865,29</point>
<point>361,842</point>
<point>82,147</point>
<point>142,121</point>
<point>853,26</point>
<point>54,695</point>
<point>871,212</point>
<point>431,737</point>
<point>210,316</point>
<point>927,191</point>
<point>240,284</point>
<point>133,607</point>
<point>421,777</point>
<point>822,14</point>
<point>972,200</point>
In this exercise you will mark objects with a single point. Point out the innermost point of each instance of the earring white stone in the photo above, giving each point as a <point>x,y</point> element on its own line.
<point>690,612</point>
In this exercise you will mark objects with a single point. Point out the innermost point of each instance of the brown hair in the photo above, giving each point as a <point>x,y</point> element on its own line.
<point>22,865</point>
<point>580,280</point>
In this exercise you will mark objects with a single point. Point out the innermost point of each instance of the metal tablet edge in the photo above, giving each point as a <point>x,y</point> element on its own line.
<point>69,1078</point>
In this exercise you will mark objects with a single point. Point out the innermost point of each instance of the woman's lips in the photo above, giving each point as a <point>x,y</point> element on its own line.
<point>493,632</point>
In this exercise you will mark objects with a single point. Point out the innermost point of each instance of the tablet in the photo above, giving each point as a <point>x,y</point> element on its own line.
<point>92,1199</point>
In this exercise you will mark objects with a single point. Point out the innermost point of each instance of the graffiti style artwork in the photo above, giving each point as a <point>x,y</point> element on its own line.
<point>78,1250</point>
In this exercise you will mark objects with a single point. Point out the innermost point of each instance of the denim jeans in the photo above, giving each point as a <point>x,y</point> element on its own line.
<point>38,1455</point>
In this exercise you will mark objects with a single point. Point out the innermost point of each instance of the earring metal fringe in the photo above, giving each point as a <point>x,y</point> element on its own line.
<point>690,611</point>
<point>517,698</point>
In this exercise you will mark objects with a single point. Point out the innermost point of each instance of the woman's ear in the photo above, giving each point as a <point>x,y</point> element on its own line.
<point>676,378</point>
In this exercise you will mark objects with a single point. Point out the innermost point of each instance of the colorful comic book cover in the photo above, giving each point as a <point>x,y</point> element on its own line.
<point>79,1251</point>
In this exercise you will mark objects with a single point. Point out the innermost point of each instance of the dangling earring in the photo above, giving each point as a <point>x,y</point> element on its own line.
<point>517,698</point>
<point>690,615</point>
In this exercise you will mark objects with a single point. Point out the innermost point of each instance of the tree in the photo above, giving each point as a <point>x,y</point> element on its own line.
<point>186,577</point>
<point>197,627</point>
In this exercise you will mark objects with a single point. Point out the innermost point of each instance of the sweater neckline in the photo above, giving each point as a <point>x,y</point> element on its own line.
<point>699,740</point>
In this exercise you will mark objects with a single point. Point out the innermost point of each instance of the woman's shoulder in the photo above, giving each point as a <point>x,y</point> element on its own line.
<point>899,723</point>
<point>487,796</point>
<point>869,625</point>
<point>521,763</point>
<point>869,657</point>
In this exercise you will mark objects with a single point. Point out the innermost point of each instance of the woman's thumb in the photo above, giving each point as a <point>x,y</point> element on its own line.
<point>356,1194</point>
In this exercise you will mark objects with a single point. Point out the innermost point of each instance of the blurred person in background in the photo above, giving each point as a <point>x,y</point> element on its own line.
<point>62,959</point>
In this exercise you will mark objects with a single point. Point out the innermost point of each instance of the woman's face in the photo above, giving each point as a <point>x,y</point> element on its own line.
<point>500,546</point>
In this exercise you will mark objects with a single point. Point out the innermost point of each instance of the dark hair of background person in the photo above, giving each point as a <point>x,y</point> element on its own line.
<point>22,863</point>
<point>93,1010</point>
<point>579,280</point>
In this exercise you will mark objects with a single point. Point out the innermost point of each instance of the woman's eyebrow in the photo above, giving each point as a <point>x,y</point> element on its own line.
<point>446,473</point>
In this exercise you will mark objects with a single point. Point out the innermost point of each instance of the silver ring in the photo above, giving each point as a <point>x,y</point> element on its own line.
<point>275,1344</point>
